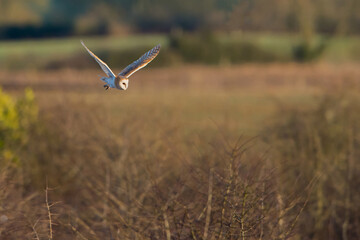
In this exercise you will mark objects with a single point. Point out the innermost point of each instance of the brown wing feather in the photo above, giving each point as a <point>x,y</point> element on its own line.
<point>141,62</point>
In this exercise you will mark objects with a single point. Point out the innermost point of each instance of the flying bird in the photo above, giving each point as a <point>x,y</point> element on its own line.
<point>121,81</point>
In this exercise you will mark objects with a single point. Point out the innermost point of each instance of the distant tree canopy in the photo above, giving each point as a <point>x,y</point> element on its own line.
<point>44,18</point>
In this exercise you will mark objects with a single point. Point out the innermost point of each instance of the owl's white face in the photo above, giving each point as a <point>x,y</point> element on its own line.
<point>124,84</point>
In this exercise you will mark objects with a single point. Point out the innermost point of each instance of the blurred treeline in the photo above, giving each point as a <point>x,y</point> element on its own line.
<point>55,18</point>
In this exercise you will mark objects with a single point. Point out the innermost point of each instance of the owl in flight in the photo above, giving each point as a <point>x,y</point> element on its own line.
<point>121,81</point>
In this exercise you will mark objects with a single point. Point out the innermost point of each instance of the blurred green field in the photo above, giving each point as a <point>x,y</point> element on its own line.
<point>275,47</point>
<point>68,46</point>
<point>338,49</point>
<point>40,53</point>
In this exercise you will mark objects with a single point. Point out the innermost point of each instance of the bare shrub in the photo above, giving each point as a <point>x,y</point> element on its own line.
<point>322,143</point>
<point>142,186</point>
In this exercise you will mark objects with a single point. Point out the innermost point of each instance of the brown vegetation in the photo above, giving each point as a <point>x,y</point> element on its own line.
<point>164,160</point>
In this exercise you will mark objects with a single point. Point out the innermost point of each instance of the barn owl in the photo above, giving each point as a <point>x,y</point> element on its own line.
<point>121,81</point>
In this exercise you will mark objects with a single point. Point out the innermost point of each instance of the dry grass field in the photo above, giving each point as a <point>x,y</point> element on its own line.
<point>197,98</point>
<point>189,152</point>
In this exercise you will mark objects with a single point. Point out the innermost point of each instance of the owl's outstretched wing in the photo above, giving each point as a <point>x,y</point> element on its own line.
<point>103,65</point>
<point>141,62</point>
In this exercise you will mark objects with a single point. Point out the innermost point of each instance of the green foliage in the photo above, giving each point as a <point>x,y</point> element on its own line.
<point>306,51</point>
<point>208,48</point>
<point>16,118</point>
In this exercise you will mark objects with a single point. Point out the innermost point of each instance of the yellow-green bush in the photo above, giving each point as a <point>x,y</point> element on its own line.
<point>16,118</point>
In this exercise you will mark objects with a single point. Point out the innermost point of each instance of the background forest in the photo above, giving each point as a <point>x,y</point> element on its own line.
<point>49,18</point>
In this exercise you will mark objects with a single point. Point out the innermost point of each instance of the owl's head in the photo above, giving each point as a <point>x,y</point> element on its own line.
<point>124,84</point>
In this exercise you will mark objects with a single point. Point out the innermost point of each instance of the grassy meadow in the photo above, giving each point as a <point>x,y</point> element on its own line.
<point>189,151</point>
<point>177,48</point>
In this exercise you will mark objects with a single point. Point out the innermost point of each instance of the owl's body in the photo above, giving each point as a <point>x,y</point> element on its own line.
<point>118,82</point>
<point>121,81</point>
